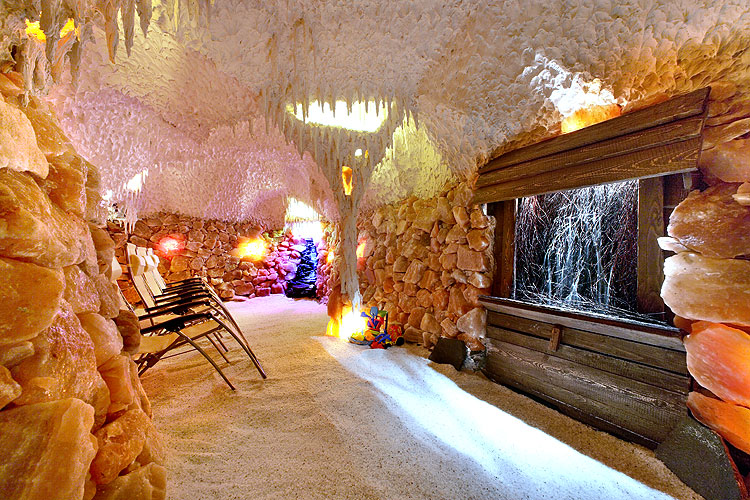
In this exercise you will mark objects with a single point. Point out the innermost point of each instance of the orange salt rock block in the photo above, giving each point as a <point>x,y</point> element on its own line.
<point>712,223</point>
<point>116,373</point>
<point>104,335</point>
<point>140,399</point>
<point>145,483</point>
<point>730,421</point>
<point>9,388</point>
<point>63,364</point>
<point>46,450</point>
<point>702,288</point>
<point>683,324</point>
<point>729,161</point>
<point>109,293</point>
<point>34,229</point>
<point>120,442</point>
<point>80,291</point>
<point>18,146</point>
<point>154,448</point>
<point>718,357</point>
<point>49,134</point>
<point>66,183</point>
<point>30,297</point>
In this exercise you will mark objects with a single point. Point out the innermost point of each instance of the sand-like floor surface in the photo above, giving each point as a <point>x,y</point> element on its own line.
<point>339,421</point>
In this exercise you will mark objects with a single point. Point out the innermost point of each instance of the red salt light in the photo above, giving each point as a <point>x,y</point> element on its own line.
<point>719,358</point>
<point>732,422</point>
<point>170,246</point>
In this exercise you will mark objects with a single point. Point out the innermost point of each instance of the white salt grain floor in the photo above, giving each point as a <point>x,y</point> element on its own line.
<point>340,421</point>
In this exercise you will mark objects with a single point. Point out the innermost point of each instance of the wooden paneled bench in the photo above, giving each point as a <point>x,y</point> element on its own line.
<point>624,377</point>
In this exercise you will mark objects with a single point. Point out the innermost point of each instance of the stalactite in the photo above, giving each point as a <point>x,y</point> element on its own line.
<point>127,13</point>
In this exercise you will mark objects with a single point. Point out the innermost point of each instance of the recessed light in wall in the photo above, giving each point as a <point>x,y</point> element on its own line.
<point>362,118</point>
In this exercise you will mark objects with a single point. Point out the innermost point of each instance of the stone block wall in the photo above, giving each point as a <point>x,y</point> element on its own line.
<point>426,262</point>
<point>707,281</point>
<point>208,248</point>
<point>75,420</point>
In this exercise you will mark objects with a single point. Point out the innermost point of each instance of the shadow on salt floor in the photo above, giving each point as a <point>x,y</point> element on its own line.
<point>475,417</point>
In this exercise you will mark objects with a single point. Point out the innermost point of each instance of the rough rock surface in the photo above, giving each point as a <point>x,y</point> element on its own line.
<point>731,421</point>
<point>30,297</point>
<point>145,483</point>
<point>729,161</point>
<point>712,223</point>
<point>9,388</point>
<point>66,183</point>
<point>63,364</point>
<point>718,357</point>
<point>34,229</point>
<point>80,291</point>
<point>116,373</point>
<point>46,449</point>
<point>703,288</point>
<point>120,442</point>
<point>104,334</point>
<point>18,147</point>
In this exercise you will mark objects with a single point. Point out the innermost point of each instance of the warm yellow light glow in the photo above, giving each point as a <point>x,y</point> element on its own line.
<point>358,153</point>
<point>346,179</point>
<point>329,257</point>
<point>361,250</point>
<point>589,116</point>
<point>136,182</point>
<point>251,249</point>
<point>359,119</point>
<point>349,323</point>
<point>33,29</point>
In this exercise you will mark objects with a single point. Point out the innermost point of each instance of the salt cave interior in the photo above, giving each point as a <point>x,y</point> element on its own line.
<point>242,242</point>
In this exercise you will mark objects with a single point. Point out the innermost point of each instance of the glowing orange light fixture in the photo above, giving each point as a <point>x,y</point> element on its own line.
<point>33,29</point>
<point>349,323</point>
<point>170,246</point>
<point>361,250</point>
<point>588,116</point>
<point>252,249</point>
<point>346,178</point>
<point>330,256</point>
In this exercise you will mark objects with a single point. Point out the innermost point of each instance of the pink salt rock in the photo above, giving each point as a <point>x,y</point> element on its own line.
<point>430,324</point>
<point>473,343</point>
<point>66,183</point>
<point>34,230</point>
<point>12,354</point>
<point>116,374</point>
<point>145,483</point>
<point>703,288</point>
<point>49,134</point>
<point>262,292</point>
<point>712,223</point>
<point>105,249</point>
<point>730,421</point>
<point>457,303</point>
<point>154,448</point>
<point>414,272</point>
<point>18,146</point>
<point>46,449</point>
<point>104,335</point>
<point>63,364</point>
<point>120,442</point>
<point>448,328</point>
<point>729,161</point>
<point>477,240</point>
<point>469,260</point>
<point>9,388</point>
<point>718,357</point>
<point>80,291</point>
<point>109,294</point>
<point>473,323</point>
<point>96,207</point>
<point>30,297</point>
<point>140,399</point>
<point>130,331</point>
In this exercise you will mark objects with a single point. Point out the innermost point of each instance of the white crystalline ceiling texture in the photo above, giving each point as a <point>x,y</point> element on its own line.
<point>189,103</point>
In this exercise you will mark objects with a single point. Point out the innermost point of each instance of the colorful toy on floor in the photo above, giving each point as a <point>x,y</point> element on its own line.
<point>377,333</point>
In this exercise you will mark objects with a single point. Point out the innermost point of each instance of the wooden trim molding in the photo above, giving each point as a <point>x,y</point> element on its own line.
<point>662,139</point>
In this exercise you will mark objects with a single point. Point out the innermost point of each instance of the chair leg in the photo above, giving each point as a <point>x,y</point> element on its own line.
<point>203,353</point>
<point>234,323</point>
<point>217,336</point>
<point>247,349</point>
<point>217,348</point>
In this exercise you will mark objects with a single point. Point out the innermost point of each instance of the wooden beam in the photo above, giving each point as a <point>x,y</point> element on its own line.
<point>650,257</point>
<point>504,246</point>
<point>662,336</point>
<point>636,141</point>
<point>676,157</point>
<point>677,108</point>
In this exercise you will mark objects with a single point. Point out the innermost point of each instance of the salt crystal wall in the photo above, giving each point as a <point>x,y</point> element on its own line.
<point>74,421</point>
<point>426,262</point>
<point>707,280</point>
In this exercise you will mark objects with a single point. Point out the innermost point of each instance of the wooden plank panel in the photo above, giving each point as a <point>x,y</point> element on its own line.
<point>678,384</point>
<point>613,398</point>
<point>658,357</point>
<point>504,246</point>
<point>676,157</point>
<point>677,108</point>
<point>637,141</point>
<point>662,336</point>
<point>582,416</point>
<point>650,258</point>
